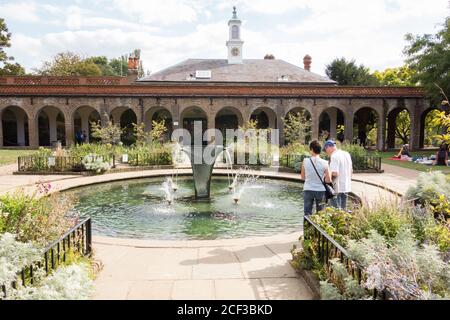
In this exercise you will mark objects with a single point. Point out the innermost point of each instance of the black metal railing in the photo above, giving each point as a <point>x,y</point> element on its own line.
<point>366,163</point>
<point>360,163</point>
<point>77,240</point>
<point>249,158</point>
<point>289,160</point>
<point>327,249</point>
<point>150,159</point>
<point>56,164</point>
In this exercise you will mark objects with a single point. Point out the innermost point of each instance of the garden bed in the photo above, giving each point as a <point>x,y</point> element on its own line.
<point>385,250</point>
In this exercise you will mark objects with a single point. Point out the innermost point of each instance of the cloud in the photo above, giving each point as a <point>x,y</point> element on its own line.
<point>169,31</point>
<point>19,11</point>
<point>166,12</point>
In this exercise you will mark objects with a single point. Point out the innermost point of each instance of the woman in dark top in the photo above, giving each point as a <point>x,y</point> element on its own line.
<point>442,156</point>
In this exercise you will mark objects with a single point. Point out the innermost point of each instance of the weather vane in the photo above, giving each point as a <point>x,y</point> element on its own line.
<point>234,11</point>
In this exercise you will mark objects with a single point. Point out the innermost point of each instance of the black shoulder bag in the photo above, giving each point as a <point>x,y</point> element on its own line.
<point>329,191</point>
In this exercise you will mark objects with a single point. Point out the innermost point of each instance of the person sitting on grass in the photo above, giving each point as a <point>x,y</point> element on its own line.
<point>404,154</point>
<point>442,156</point>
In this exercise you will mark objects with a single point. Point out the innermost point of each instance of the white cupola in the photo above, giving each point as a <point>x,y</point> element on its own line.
<point>234,44</point>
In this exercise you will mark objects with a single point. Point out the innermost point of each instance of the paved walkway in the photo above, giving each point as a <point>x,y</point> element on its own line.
<point>252,268</point>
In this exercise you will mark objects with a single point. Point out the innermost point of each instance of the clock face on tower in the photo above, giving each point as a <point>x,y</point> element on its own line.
<point>235,52</point>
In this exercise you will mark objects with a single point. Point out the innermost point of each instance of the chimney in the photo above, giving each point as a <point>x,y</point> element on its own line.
<point>133,66</point>
<point>307,62</point>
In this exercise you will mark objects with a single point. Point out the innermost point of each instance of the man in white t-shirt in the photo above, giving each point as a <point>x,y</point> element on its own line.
<point>341,168</point>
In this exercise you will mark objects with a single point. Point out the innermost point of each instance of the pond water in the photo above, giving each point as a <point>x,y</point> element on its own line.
<point>138,209</point>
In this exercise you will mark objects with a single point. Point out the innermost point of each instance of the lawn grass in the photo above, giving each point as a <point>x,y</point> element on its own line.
<point>411,165</point>
<point>9,156</point>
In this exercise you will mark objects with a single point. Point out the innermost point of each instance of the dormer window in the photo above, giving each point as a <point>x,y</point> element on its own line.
<point>235,32</point>
<point>283,78</point>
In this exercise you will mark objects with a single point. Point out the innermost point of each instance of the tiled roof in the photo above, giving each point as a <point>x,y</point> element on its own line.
<point>251,70</point>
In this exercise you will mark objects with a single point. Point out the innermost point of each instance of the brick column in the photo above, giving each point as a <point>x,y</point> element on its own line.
<point>280,125</point>
<point>33,130</point>
<point>348,127</point>
<point>332,114</point>
<point>314,124</point>
<point>69,128</point>
<point>415,116</point>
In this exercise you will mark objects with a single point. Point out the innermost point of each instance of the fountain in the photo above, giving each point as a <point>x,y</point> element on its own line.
<point>168,188</point>
<point>202,167</point>
<point>238,189</point>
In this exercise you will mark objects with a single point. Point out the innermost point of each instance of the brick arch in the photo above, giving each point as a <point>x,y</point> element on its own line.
<point>76,108</point>
<point>150,113</point>
<point>391,125</point>
<point>18,134</point>
<point>423,116</point>
<point>234,110</point>
<point>84,123</point>
<point>363,118</point>
<point>269,112</point>
<point>292,107</point>
<point>45,132</point>
<point>329,119</point>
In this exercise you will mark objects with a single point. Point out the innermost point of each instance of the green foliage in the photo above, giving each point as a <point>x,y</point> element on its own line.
<point>399,228</point>
<point>429,186</point>
<point>355,150</point>
<point>68,64</point>
<point>103,150</point>
<point>403,127</point>
<point>296,127</point>
<point>109,134</point>
<point>8,67</point>
<point>348,73</point>
<point>150,155</point>
<point>385,217</point>
<point>334,222</point>
<point>428,56</point>
<point>401,76</point>
<point>95,163</point>
<point>33,217</point>
<point>72,64</point>
<point>441,119</point>
<point>72,280</point>
<point>407,270</point>
<point>342,285</point>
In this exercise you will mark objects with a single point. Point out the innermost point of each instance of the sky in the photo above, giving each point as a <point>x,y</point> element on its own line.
<point>169,31</point>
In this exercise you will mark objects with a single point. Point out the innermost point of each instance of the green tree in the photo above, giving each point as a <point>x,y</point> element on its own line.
<point>7,67</point>
<point>69,64</point>
<point>348,73</point>
<point>119,66</point>
<point>428,56</point>
<point>403,126</point>
<point>296,127</point>
<point>401,76</point>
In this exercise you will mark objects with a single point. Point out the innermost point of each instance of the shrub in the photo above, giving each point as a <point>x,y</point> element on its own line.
<point>432,188</point>
<point>35,218</point>
<point>95,163</point>
<point>342,285</point>
<point>355,150</point>
<point>71,282</point>
<point>334,222</point>
<point>404,268</point>
<point>385,217</point>
<point>14,256</point>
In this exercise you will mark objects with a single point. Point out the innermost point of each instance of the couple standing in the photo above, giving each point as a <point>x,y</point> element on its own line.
<point>316,172</point>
